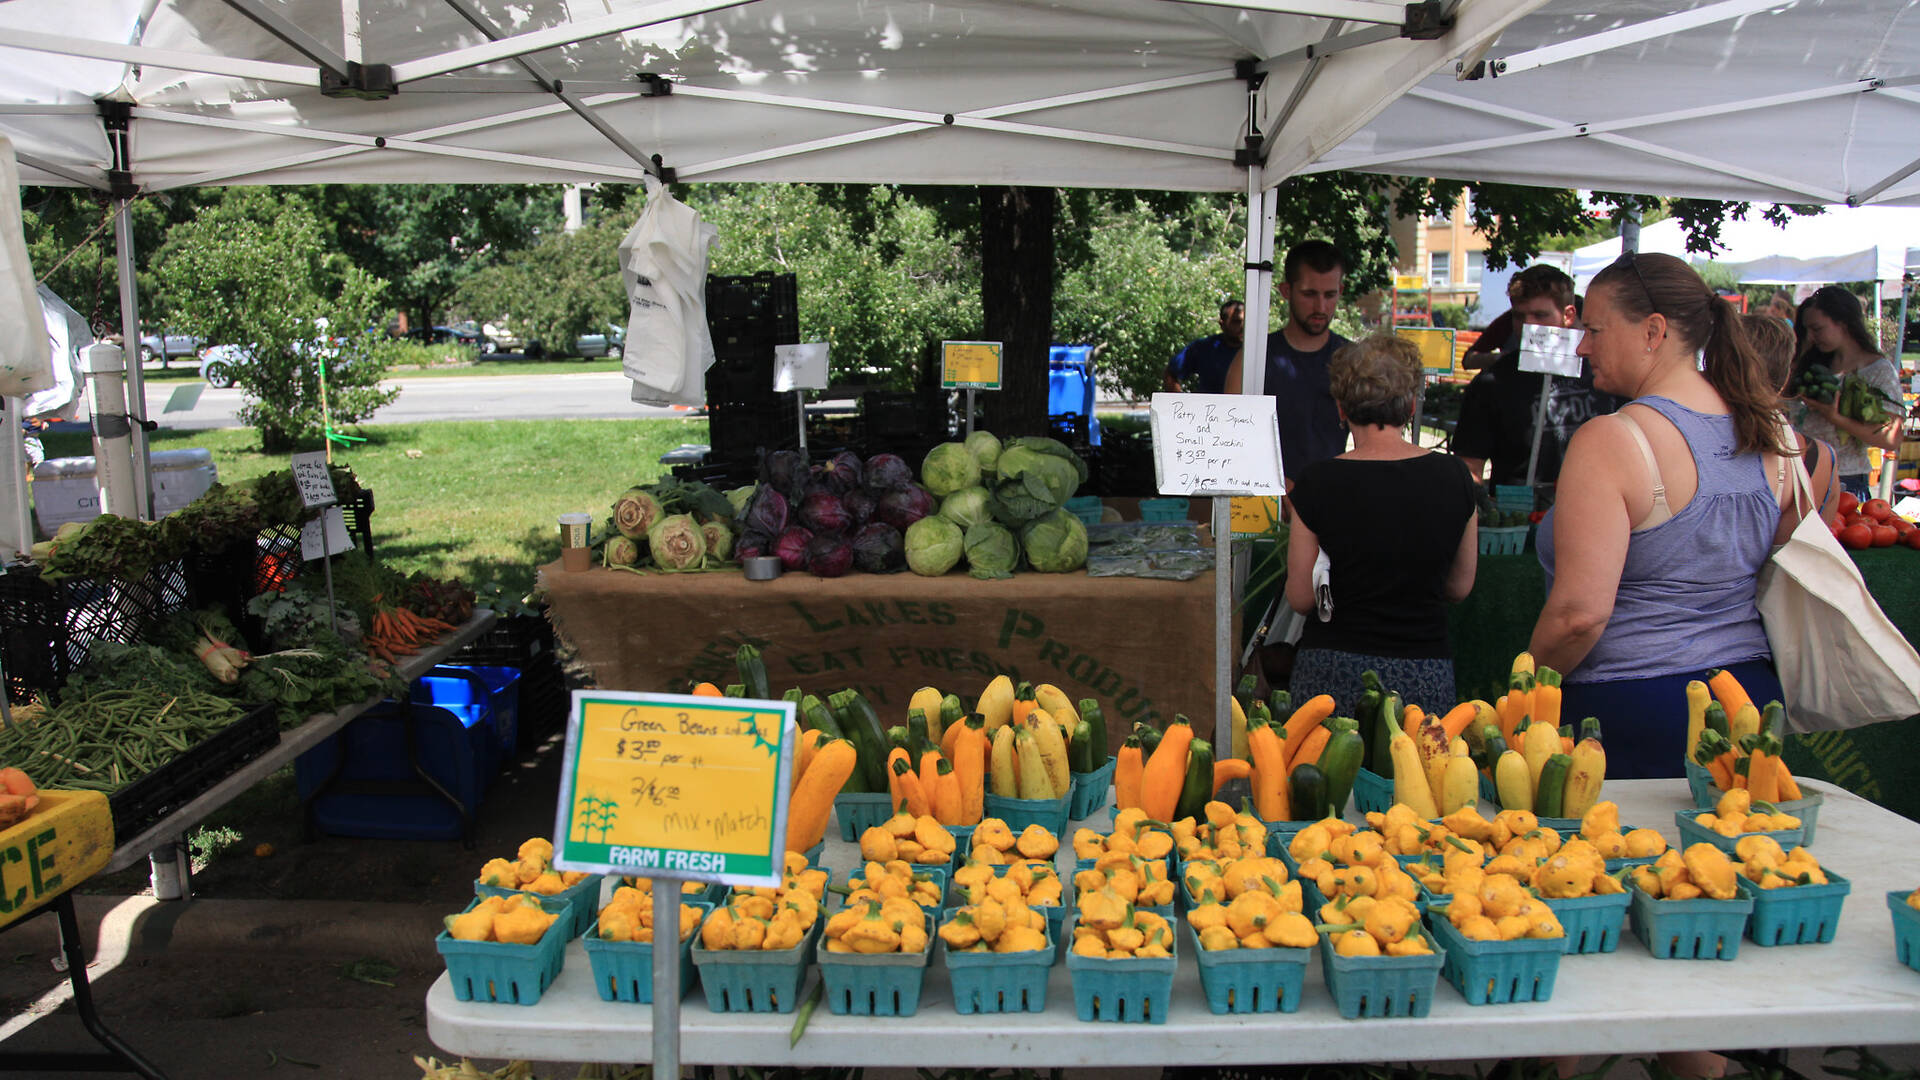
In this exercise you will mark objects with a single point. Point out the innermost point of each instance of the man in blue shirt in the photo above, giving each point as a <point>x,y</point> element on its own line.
<point>1297,358</point>
<point>1204,363</point>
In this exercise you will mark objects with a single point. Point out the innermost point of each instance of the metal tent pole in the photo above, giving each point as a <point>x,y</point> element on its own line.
<point>130,338</point>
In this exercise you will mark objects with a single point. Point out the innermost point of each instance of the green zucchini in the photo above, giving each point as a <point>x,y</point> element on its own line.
<point>1097,721</point>
<point>873,737</point>
<point>753,671</point>
<point>819,717</point>
<point>1198,788</point>
<point>1717,719</point>
<point>1307,792</point>
<point>822,720</point>
<point>1340,764</point>
<point>1149,738</point>
<point>1080,750</point>
<point>1366,713</point>
<point>952,711</point>
<point>1552,792</point>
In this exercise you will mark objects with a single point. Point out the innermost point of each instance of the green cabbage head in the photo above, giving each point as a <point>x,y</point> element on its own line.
<point>933,546</point>
<point>948,468</point>
<point>1055,543</point>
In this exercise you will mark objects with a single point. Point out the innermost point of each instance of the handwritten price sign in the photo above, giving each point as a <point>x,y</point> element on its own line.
<point>1216,444</point>
<point>675,786</point>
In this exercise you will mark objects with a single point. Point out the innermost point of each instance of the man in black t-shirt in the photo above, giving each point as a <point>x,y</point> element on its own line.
<point>1497,413</point>
<point>1297,358</point>
<point>1204,363</point>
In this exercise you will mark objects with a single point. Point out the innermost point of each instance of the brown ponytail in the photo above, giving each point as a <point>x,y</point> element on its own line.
<point>1642,284</point>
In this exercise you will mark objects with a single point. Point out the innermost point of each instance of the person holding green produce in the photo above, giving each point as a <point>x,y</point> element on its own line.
<point>1834,334</point>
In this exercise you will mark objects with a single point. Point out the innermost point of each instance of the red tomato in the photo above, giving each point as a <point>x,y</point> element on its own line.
<point>1848,502</point>
<point>1900,525</point>
<point>1856,537</point>
<point>1877,509</point>
<point>1884,536</point>
<point>1848,520</point>
<point>1913,539</point>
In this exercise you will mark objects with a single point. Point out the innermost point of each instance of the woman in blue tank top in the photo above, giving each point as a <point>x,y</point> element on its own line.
<point>1664,514</point>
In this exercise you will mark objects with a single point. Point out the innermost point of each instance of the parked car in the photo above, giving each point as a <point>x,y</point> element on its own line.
<point>219,363</point>
<point>458,335</point>
<point>165,346</point>
<point>608,343</point>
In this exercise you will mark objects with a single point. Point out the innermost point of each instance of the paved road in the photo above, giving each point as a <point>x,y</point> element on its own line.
<point>577,396</point>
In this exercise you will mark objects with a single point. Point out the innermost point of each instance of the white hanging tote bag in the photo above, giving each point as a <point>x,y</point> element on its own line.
<point>26,363</point>
<point>1842,663</point>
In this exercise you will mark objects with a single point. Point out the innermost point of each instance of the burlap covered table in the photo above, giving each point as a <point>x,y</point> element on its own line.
<point>1142,647</point>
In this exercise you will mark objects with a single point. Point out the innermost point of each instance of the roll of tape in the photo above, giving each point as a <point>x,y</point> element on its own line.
<point>762,567</point>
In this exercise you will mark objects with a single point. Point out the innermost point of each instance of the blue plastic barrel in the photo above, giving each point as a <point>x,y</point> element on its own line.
<point>1070,385</point>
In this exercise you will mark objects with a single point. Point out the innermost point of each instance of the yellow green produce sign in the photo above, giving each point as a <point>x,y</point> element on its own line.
<point>672,785</point>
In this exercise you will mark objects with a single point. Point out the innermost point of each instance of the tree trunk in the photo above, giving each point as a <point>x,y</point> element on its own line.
<point>1016,300</point>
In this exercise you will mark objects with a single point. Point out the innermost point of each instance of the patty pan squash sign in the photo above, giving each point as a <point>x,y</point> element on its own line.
<point>673,785</point>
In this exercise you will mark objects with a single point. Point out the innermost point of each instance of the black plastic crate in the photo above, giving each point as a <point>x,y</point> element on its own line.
<point>356,511</point>
<point>513,641</point>
<point>753,309</point>
<point>886,413</point>
<point>721,472</point>
<point>209,761</point>
<point>48,628</point>
<point>742,384</point>
<point>230,578</point>
<point>735,430</point>
<point>544,701</point>
<point>1125,465</point>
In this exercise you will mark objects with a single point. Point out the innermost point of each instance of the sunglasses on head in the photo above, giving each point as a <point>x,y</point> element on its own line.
<point>1628,258</point>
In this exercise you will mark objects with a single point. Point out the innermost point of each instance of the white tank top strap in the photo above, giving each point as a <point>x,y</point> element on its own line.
<point>1660,512</point>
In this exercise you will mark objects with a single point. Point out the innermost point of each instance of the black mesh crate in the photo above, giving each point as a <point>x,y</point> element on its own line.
<point>890,413</point>
<point>742,384</point>
<point>356,511</point>
<point>204,764</point>
<point>236,575</point>
<point>737,430</point>
<point>512,641</point>
<point>1125,465</point>
<point>47,628</point>
<point>752,311</point>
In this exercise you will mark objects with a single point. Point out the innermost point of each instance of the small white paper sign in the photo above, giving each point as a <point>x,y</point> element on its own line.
<point>800,367</point>
<point>1216,444</point>
<point>1550,350</point>
<point>315,483</point>
<point>334,535</point>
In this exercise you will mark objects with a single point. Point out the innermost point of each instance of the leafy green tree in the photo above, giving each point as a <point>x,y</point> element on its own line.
<point>566,285</point>
<point>425,240</point>
<point>254,271</point>
<point>1149,282</point>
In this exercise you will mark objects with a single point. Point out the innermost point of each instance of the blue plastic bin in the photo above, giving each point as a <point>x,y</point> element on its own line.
<point>1070,385</point>
<point>623,970</point>
<point>990,982</point>
<point>582,899</point>
<point>477,695</point>
<point>1091,791</point>
<point>1906,929</point>
<point>1251,980</point>
<point>1700,929</point>
<point>752,980</point>
<point>457,754</point>
<point>1692,832</point>
<point>1372,793</point>
<point>1130,990</point>
<point>1796,915</point>
<point>878,984</point>
<point>1592,923</point>
<point>859,811</point>
<point>499,972</point>
<point>1498,972</point>
<point>1381,985</point>
<point>1049,814</point>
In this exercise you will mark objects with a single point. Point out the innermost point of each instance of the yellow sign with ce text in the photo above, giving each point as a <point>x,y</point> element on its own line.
<point>67,840</point>
<point>1435,344</point>
<point>970,365</point>
<point>675,785</point>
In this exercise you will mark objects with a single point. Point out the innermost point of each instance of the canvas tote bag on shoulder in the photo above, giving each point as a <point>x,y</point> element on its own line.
<point>1842,663</point>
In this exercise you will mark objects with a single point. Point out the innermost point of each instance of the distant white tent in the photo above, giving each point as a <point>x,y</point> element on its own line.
<point>1869,243</point>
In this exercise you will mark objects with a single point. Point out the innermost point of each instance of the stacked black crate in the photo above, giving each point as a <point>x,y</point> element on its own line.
<point>748,316</point>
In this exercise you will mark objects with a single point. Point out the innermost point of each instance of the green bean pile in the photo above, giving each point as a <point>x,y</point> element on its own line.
<point>107,739</point>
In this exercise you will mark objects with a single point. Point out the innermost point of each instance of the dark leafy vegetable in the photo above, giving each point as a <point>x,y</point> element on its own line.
<point>823,512</point>
<point>842,472</point>
<point>860,505</point>
<point>887,472</point>
<point>902,507</point>
<point>879,549</point>
<point>766,512</point>
<point>829,555</point>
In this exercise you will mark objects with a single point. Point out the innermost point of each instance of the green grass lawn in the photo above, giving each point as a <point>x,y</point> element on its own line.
<point>479,502</point>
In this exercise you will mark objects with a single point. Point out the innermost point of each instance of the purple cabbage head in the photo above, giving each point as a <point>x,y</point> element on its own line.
<point>766,512</point>
<point>860,506</point>
<point>792,548</point>
<point>842,472</point>
<point>829,555</point>
<point>904,506</point>
<point>879,549</point>
<point>823,512</point>
<point>887,472</point>
<point>787,471</point>
<point>753,545</point>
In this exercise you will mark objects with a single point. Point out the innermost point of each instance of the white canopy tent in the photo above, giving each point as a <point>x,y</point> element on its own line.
<point>1803,101</point>
<point>1868,243</point>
